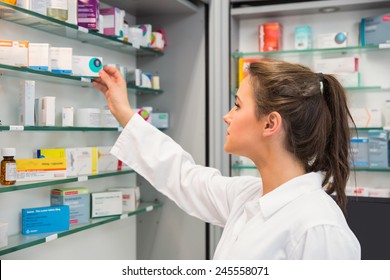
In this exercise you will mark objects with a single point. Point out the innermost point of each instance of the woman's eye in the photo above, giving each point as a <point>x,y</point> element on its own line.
<point>237,106</point>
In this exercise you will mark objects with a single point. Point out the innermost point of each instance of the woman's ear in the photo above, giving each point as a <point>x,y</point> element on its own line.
<point>272,123</point>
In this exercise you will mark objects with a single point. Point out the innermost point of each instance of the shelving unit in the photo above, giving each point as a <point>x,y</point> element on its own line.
<point>19,242</point>
<point>40,22</point>
<point>373,90</point>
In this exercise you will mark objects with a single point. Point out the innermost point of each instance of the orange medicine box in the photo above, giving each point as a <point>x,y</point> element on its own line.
<point>270,37</point>
<point>243,66</point>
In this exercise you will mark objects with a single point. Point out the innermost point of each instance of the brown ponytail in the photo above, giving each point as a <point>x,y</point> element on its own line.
<point>316,118</point>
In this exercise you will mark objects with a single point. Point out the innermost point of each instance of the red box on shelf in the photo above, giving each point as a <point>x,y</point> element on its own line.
<point>270,37</point>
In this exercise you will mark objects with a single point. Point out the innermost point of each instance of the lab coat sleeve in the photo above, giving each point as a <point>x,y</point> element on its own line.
<point>326,242</point>
<point>200,191</point>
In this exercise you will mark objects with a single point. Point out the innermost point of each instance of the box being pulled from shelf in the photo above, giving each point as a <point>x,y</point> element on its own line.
<point>37,169</point>
<point>78,201</point>
<point>45,219</point>
<point>106,204</point>
<point>86,66</point>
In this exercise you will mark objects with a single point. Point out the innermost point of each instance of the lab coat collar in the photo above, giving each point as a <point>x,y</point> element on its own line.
<point>289,191</point>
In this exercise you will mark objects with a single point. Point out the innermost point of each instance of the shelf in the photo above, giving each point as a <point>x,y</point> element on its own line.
<point>368,199</point>
<point>305,8</point>
<point>55,128</point>
<point>347,50</point>
<point>357,169</point>
<point>370,128</point>
<point>40,184</point>
<point>19,242</point>
<point>51,25</point>
<point>144,90</point>
<point>27,73</point>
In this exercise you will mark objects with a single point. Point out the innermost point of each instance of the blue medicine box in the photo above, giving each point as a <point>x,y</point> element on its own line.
<point>45,219</point>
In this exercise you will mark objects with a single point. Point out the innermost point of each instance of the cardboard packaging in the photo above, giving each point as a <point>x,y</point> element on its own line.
<point>243,66</point>
<point>366,117</point>
<point>87,66</point>
<point>61,60</point>
<point>45,219</point>
<point>359,149</point>
<point>88,13</point>
<point>112,22</point>
<point>130,197</point>
<point>26,103</point>
<point>303,38</point>
<point>378,141</point>
<point>375,30</point>
<point>78,201</point>
<point>39,56</point>
<point>332,40</point>
<point>38,169</point>
<point>270,37</point>
<point>14,53</point>
<point>106,204</point>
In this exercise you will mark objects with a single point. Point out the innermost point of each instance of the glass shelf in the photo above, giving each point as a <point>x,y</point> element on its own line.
<point>40,184</point>
<point>55,128</point>
<point>354,49</point>
<point>357,169</point>
<point>27,73</point>
<point>19,242</point>
<point>51,25</point>
<point>144,90</point>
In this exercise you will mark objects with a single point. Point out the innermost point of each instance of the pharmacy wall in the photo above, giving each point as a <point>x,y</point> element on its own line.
<point>163,232</point>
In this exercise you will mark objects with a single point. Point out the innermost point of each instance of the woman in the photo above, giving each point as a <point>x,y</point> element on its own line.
<point>293,124</point>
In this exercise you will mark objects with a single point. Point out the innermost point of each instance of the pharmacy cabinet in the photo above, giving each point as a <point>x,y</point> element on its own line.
<point>372,91</point>
<point>114,237</point>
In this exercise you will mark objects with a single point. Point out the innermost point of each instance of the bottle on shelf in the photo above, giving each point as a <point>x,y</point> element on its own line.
<point>8,166</point>
<point>58,9</point>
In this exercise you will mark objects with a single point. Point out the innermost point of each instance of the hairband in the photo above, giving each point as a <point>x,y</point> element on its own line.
<point>321,76</point>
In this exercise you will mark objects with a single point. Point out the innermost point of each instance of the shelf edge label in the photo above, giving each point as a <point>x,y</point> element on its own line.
<point>82,178</point>
<point>51,237</point>
<point>83,29</point>
<point>124,216</point>
<point>149,208</point>
<point>16,128</point>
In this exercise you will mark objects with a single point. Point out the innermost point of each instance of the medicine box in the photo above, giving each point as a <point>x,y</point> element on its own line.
<point>61,60</point>
<point>106,161</point>
<point>14,53</point>
<point>82,161</point>
<point>270,37</point>
<point>146,39</point>
<point>366,117</point>
<point>130,197</point>
<point>106,204</point>
<point>375,30</point>
<point>87,66</point>
<point>39,57</point>
<point>160,120</point>
<point>112,22</point>
<point>47,111</point>
<point>378,142</point>
<point>88,13</point>
<point>332,40</point>
<point>45,219</point>
<point>303,38</point>
<point>78,201</point>
<point>26,103</point>
<point>37,169</point>
<point>337,65</point>
<point>243,66</point>
<point>359,151</point>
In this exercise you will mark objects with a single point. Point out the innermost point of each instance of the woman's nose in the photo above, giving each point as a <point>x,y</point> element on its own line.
<point>227,118</point>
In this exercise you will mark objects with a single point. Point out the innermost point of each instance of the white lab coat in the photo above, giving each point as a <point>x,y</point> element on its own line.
<point>297,220</point>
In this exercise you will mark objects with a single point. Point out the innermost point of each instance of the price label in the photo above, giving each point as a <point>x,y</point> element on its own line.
<point>86,80</point>
<point>149,208</point>
<point>124,216</point>
<point>83,29</point>
<point>51,237</point>
<point>16,127</point>
<point>82,178</point>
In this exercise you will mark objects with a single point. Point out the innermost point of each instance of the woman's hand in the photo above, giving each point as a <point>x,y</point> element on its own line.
<point>113,86</point>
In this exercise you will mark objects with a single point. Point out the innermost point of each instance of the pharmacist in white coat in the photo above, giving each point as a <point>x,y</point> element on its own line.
<point>293,124</point>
